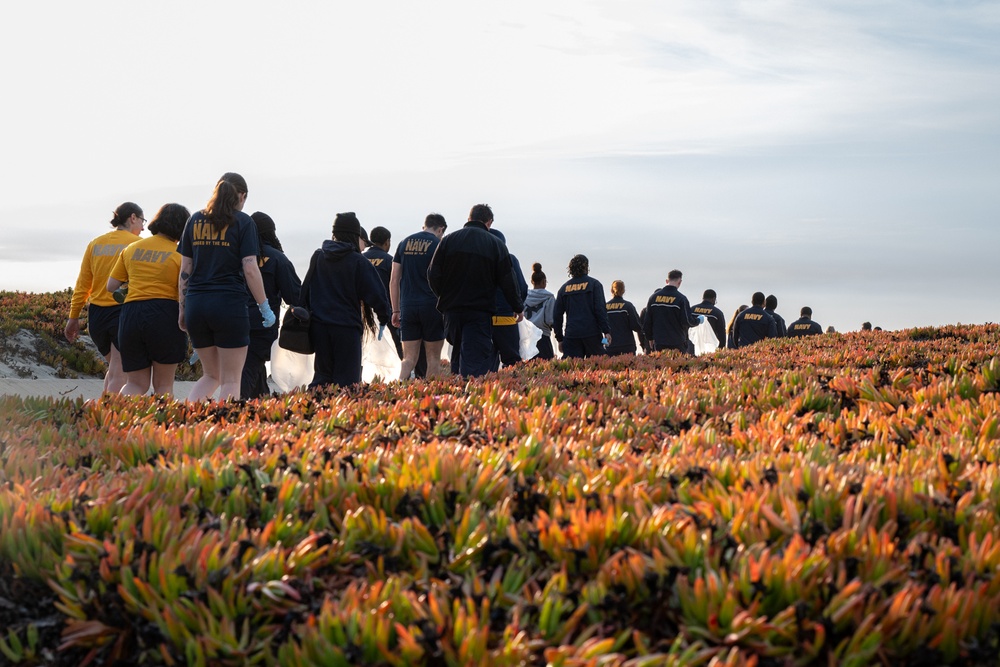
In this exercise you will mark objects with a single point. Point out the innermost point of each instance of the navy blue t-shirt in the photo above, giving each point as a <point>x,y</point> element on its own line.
<point>382,261</point>
<point>217,257</point>
<point>413,254</point>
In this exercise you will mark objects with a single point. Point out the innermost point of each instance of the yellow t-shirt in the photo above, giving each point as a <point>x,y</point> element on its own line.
<point>150,267</point>
<point>92,283</point>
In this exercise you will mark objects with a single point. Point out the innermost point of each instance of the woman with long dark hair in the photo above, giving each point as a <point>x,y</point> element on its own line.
<point>150,342</point>
<point>581,301</point>
<point>343,294</point>
<point>219,248</point>
<point>104,311</point>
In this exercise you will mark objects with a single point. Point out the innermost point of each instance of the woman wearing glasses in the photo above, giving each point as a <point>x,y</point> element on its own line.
<point>104,310</point>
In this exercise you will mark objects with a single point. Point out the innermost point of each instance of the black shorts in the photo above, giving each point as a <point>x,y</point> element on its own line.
<point>421,322</point>
<point>219,320</point>
<point>102,325</point>
<point>148,333</point>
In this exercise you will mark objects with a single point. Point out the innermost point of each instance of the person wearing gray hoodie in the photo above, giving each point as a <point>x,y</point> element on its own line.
<point>539,307</point>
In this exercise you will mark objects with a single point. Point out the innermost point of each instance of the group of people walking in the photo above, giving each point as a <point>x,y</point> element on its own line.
<point>219,276</point>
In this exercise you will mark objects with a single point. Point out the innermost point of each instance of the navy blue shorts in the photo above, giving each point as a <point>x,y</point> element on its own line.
<point>148,332</point>
<point>421,323</point>
<point>102,325</point>
<point>221,320</point>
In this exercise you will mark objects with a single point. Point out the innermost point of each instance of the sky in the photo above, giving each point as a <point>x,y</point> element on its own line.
<point>843,155</point>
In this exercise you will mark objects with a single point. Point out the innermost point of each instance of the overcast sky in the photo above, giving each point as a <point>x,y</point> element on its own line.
<point>842,155</point>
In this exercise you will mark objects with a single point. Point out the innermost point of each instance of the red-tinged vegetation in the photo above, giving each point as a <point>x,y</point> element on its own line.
<point>820,501</point>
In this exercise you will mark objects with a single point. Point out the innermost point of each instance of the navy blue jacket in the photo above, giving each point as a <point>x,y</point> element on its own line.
<point>468,266</point>
<point>779,323</point>
<point>281,283</point>
<point>581,302</point>
<point>623,320</point>
<point>715,318</point>
<point>382,261</point>
<point>338,280</point>
<point>803,327</point>
<point>503,308</point>
<point>752,325</point>
<point>668,318</point>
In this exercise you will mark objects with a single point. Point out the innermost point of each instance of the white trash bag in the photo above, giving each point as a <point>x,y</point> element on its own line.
<point>290,370</point>
<point>530,335</point>
<point>379,358</point>
<point>704,339</point>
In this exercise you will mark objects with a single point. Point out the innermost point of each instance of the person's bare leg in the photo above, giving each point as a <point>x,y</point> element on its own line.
<point>411,353</point>
<point>115,378</point>
<point>163,379</point>
<point>209,381</point>
<point>137,382</point>
<point>432,350</point>
<point>231,360</point>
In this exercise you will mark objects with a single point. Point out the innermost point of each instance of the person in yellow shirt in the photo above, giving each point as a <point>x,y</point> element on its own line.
<point>102,315</point>
<point>149,341</point>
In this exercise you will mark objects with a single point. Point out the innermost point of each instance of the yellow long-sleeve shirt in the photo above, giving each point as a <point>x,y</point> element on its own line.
<point>150,267</point>
<point>100,257</point>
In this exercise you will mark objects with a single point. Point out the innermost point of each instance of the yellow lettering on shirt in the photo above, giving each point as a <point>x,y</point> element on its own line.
<point>107,250</point>
<point>703,311</point>
<point>375,260</point>
<point>417,246</point>
<point>204,231</point>
<point>578,287</point>
<point>615,306</point>
<point>666,299</point>
<point>753,316</point>
<point>800,327</point>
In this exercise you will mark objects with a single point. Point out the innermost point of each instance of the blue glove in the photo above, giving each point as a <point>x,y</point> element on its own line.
<point>381,330</point>
<point>701,319</point>
<point>267,314</point>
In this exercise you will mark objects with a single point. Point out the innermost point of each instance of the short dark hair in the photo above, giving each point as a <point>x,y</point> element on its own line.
<point>771,302</point>
<point>757,299</point>
<point>379,235</point>
<point>481,213</point>
<point>435,220</point>
<point>806,311</point>
<point>170,221</point>
<point>675,274</point>
<point>709,294</point>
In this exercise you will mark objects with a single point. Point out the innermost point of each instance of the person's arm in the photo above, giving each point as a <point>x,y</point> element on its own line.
<point>372,292</point>
<point>183,278</point>
<point>84,285</point>
<point>114,283</point>
<point>601,311</point>
<point>395,278</point>
<point>288,282</point>
<point>435,270</point>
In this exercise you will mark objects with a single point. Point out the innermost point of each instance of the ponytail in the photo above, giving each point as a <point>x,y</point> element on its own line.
<point>221,208</point>
<point>126,210</point>
<point>617,288</point>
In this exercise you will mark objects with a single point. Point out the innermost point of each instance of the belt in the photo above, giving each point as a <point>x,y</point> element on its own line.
<point>504,320</point>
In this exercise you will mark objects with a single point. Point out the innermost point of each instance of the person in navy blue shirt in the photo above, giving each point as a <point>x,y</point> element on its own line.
<point>804,326</point>
<point>713,314</point>
<point>344,295</point>
<point>281,283</point>
<point>669,316</point>
<point>380,240</point>
<point>421,326</point>
<point>219,252</point>
<point>770,303</point>
<point>580,301</point>
<point>624,322</point>
<point>465,271</point>
<point>754,324</point>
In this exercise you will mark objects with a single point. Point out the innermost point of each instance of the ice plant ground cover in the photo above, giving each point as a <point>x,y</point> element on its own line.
<point>821,501</point>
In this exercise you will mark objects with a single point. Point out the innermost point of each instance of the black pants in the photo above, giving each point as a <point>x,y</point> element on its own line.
<point>470,333</point>
<point>338,354</point>
<point>253,383</point>
<point>615,351</point>
<point>544,347</point>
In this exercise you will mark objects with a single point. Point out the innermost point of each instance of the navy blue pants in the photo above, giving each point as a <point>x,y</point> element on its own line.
<point>581,348</point>
<point>470,333</point>
<point>253,383</point>
<point>338,354</point>
<point>506,346</point>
